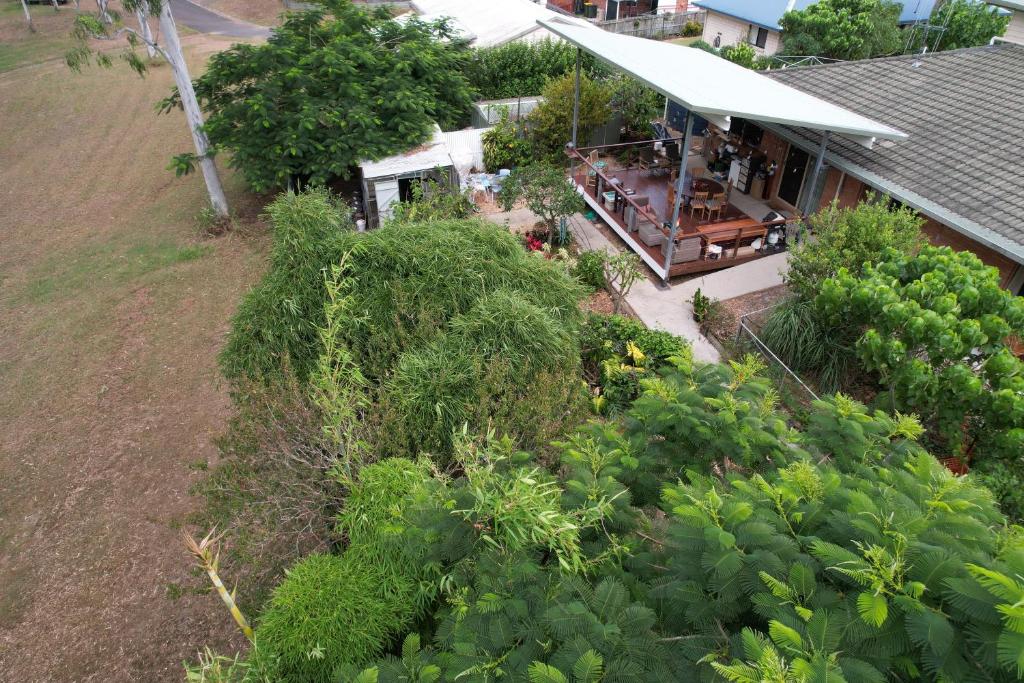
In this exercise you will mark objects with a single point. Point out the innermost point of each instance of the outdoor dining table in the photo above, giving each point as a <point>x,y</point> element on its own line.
<point>691,186</point>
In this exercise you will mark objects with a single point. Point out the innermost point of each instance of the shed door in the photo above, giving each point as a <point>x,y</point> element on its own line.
<point>387,195</point>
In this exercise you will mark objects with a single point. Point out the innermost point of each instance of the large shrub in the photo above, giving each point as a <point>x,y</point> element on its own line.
<point>550,124</point>
<point>486,370</point>
<point>335,610</point>
<point>308,104</point>
<point>855,573</point>
<point>850,238</point>
<point>934,327</point>
<point>843,29</point>
<point>505,145</point>
<point>276,323</point>
<point>520,69</point>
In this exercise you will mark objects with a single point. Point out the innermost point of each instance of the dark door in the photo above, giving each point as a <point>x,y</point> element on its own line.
<point>793,175</point>
<point>612,12</point>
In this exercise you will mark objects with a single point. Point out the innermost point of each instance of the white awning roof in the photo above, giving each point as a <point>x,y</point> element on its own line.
<point>716,88</point>
<point>462,149</point>
<point>487,23</point>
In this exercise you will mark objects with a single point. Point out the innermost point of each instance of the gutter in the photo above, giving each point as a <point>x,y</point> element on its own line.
<point>965,226</point>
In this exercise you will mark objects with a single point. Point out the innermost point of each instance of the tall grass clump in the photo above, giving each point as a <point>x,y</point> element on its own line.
<point>276,323</point>
<point>335,610</point>
<point>482,372</point>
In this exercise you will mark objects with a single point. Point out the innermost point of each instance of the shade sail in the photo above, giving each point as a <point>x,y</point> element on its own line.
<point>714,87</point>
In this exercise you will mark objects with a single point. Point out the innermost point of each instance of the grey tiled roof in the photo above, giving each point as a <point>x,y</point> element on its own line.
<point>964,113</point>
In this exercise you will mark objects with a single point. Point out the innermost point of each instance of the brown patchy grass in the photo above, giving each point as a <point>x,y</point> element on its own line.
<point>113,309</point>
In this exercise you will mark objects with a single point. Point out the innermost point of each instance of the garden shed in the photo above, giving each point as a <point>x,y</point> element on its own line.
<point>447,159</point>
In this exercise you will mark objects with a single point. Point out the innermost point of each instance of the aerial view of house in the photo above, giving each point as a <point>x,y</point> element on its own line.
<point>559,341</point>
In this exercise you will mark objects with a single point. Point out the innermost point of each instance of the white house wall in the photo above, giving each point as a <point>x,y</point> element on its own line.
<point>735,31</point>
<point>1015,31</point>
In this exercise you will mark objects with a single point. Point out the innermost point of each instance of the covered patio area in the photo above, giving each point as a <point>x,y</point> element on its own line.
<point>633,188</point>
<point>656,194</point>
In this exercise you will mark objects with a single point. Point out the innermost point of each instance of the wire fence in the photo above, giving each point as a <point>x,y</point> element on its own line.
<point>748,339</point>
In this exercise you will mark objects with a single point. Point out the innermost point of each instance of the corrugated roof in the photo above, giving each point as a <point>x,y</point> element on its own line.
<point>715,87</point>
<point>766,13</point>
<point>487,23</point>
<point>964,111</point>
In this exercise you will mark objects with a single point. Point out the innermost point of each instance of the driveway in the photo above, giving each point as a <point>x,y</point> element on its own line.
<point>205,21</point>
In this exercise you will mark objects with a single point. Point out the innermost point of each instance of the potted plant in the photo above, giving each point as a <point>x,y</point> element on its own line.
<point>701,306</point>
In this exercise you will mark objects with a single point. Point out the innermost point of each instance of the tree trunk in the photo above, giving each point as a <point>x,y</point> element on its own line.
<point>104,14</point>
<point>142,14</point>
<point>28,16</point>
<point>192,112</point>
<point>54,3</point>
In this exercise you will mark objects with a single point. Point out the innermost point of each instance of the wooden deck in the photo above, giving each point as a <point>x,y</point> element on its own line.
<point>733,232</point>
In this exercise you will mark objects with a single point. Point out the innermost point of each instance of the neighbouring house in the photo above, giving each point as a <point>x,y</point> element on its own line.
<point>489,23</point>
<point>448,158</point>
<point>620,9</point>
<point>730,22</point>
<point>1015,31</point>
<point>962,167</point>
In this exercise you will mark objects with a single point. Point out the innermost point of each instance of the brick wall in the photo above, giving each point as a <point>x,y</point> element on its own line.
<point>642,7</point>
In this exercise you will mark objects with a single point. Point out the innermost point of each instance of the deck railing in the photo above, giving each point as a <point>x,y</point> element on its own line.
<point>729,235</point>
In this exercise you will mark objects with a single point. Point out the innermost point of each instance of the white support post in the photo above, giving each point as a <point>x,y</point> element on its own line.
<point>684,153</point>
<point>812,195</point>
<point>576,99</point>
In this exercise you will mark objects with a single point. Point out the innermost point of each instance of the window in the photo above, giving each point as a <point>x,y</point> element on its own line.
<point>758,36</point>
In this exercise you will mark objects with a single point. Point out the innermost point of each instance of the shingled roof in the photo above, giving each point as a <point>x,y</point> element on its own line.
<point>964,111</point>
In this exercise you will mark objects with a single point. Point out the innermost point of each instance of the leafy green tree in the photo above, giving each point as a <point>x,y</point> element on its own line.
<point>637,104</point>
<point>934,327</point>
<point>844,238</point>
<point>432,201</point>
<point>851,238</point>
<point>522,69</point>
<point>849,572</point>
<point>550,124</point>
<point>843,29</point>
<point>333,86</point>
<point>967,24</point>
<point>547,192</point>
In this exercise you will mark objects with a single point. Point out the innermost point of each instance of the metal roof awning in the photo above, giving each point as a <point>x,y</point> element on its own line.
<point>716,88</point>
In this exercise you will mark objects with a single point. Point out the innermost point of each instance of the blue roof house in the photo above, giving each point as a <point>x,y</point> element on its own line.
<point>730,22</point>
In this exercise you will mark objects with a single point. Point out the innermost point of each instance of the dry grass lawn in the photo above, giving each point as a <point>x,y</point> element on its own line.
<point>114,307</point>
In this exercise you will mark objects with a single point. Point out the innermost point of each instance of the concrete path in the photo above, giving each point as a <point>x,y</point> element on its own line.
<point>203,20</point>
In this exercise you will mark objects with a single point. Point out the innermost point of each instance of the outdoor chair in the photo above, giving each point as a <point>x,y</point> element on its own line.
<point>716,205</point>
<point>649,161</point>
<point>672,153</point>
<point>650,235</point>
<point>687,249</point>
<point>699,203</point>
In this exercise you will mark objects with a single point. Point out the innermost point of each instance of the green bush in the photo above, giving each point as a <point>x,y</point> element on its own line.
<point>860,572</point>
<point>482,372</point>
<point>327,612</point>
<point>406,285</point>
<point>276,323</point>
<point>692,28</point>
<point>330,610</point>
<point>589,269</point>
<point>505,146</point>
<point>619,352</point>
<point>519,69</point>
